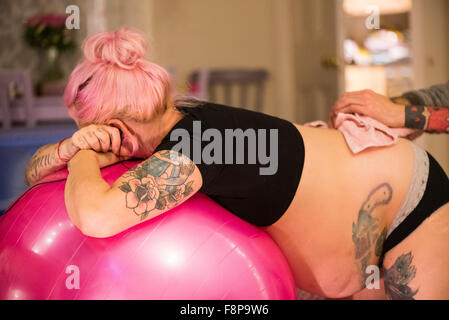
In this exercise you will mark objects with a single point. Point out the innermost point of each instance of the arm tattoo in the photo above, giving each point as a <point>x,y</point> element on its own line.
<point>366,233</point>
<point>438,120</point>
<point>431,119</point>
<point>398,277</point>
<point>44,158</point>
<point>415,118</point>
<point>161,182</point>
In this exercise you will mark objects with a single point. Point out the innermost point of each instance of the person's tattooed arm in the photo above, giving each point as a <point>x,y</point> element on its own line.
<point>161,182</point>
<point>398,277</point>
<point>42,163</point>
<point>427,118</point>
<point>367,235</point>
<point>434,119</point>
<point>46,160</point>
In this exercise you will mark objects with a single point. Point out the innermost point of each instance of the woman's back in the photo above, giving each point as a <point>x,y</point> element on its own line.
<point>327,220</point>
<point>250,162</point>
<point>325,206</point>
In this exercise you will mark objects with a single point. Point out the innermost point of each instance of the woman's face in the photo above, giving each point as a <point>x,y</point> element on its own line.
<point>144,149</point>
<point>147,135</point>
<point>137,139</point>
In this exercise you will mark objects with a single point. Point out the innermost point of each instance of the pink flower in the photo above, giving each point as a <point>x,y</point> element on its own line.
<point>143,196</point>
<point>34,20</point>
<point>55,21</point>
<point>51,20</point>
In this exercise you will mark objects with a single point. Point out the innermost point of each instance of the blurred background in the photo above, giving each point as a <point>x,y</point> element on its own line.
<point>288,58</point>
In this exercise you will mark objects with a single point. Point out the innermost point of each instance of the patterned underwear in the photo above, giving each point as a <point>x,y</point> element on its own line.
<point>428,191</point>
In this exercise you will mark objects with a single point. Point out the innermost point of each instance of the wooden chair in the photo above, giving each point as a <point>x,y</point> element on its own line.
<point>206,82</point>
<point>16,91</point>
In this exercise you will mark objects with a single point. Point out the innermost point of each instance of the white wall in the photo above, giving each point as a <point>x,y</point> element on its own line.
<point>187,35</point>
<point>216,34</point>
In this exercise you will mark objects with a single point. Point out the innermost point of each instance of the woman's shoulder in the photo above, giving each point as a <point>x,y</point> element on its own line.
<point>222,117</point>
<point>204,107</point>
<point>209,113</point>
<point>212,109</point>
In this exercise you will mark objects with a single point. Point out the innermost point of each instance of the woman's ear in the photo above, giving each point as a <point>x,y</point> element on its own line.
<point>129,143</point>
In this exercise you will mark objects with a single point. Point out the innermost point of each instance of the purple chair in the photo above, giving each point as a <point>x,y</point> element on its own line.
<point>207,82</point>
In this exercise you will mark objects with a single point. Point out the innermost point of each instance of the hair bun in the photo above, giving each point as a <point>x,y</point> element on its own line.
<point>123,48</point>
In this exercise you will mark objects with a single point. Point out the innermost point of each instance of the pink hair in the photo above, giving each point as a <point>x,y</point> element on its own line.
<point>116,81</point>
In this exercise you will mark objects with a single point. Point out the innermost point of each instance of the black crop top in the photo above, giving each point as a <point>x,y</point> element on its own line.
<point>258,191</point>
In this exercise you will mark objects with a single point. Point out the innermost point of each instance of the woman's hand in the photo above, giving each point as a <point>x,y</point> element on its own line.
<point>99,138</point>
<point>368,103</point>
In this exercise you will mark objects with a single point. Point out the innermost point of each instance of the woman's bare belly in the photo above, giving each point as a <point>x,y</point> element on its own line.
<point>316,233</point>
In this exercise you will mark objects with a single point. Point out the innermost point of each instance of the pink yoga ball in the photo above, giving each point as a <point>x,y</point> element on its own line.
<point>197,250</point>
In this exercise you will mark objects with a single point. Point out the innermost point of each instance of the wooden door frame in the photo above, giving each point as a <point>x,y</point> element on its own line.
<point>430,49</point>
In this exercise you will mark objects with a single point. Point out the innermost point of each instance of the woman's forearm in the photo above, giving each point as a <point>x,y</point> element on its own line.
<point>100,210</point>
<point>84,188</point>
<point>46,160</point>
<point>42,163</point>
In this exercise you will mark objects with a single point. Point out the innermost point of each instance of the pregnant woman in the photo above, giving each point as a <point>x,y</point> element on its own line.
<point>334,214</point>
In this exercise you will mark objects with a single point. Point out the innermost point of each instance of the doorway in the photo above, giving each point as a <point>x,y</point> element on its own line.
<point>335,51</point>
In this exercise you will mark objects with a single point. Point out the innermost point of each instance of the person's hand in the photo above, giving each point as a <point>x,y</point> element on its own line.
<point>99,138</point>
<point>368,103</point>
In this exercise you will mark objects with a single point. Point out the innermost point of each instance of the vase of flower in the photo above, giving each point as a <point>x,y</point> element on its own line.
<point>50,36</point>
<point>53,70</point>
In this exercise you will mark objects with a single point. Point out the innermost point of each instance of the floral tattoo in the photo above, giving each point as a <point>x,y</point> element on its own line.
<point>161,182</point>
<point>398,277</point>
<point>366,233</point>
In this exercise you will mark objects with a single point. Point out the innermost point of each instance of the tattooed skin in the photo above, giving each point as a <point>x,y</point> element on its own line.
<point>431,119</point>
<point>398,276</point>
<point>45,158</point>
<point>161,182</point>
<point>415,118</point>
<point>365,233</point>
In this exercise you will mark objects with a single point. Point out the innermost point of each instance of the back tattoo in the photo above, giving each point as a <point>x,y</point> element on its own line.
<point>366,233</point>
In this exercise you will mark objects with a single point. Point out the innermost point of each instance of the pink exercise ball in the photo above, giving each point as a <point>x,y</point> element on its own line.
<point>197,250</point>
